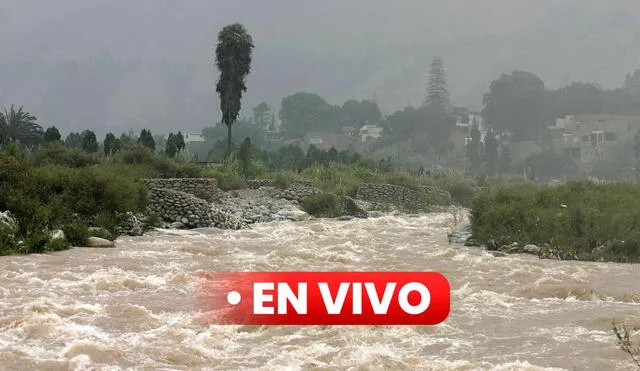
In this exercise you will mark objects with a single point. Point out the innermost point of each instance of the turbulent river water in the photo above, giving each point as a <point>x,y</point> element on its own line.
<point>133,307</point>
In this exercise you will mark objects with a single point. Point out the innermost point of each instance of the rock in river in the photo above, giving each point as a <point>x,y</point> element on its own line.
<point>98,242</point>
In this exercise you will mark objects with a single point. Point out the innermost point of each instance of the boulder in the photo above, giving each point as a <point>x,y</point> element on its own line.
<point>98,242</point>
<point>532,249</point>
<point>497,254</point>
<point>176,225</point>
<point>294,214</point>
<point>351,207</point>
<point>99,232</point>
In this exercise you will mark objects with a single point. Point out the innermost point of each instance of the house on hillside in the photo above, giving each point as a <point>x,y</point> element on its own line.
<point>461,133</point>
<point>591,138</point>
<point>370,131</point>
<point>349,130</point>
<point>193,137</point>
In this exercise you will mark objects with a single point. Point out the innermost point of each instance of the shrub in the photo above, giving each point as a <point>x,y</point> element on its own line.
<point>155,165</point>
<point>462,192</point>
<point>322,205</point>
<point>57,153</point>
<point>597,221</point>
<point>100,232</point>
<point>8,241</point>
<point>76,233</point>
<point>36,242</point>
<point>57,245</point>
<point>229,178</point>
<point>282,179</point>
<point>153,221</point>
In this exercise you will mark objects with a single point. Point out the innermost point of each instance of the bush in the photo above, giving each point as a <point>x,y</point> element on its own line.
<point>153,221</point>
<point>155,165</point>
<point>599,221</point>
<point>60,154</point>
<point>283,179</point>
<point>229,177</point>
<point>8,241</point>
<point>462,192</point>
<point>36,242</point>
<point>76,233</point>
<point>322,205</point>
<point>57,245</point>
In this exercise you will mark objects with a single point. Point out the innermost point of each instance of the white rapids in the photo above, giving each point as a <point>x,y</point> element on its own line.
<point>133,307</point>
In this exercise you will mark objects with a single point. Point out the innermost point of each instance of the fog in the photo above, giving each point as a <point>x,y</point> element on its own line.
<point>115,65</point>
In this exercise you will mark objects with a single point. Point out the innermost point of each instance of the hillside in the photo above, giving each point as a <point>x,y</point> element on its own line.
<point>118,64</point>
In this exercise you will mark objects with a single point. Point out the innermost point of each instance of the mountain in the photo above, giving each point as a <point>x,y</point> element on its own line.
<point>118,64</point>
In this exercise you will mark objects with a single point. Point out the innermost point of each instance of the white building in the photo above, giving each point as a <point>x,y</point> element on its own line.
<point>465,123</point>
<point>193,137</point>
<point>370,131</point>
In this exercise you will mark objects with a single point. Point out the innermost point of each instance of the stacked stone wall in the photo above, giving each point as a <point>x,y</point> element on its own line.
<point>202,187</point>
<point>176,206</point>
<point>406,198</point>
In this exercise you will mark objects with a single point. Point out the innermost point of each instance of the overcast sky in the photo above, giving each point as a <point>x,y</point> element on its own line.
<point>112,65</point>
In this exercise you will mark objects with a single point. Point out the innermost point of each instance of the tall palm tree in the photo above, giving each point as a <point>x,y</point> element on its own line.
<point>233,59</point>
<point>19,126</point>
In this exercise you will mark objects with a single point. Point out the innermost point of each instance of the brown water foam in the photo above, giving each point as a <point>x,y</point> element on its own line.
<point>133,307</point>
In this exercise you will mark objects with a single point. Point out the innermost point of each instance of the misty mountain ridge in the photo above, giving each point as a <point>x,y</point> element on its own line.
<point>118,65</point>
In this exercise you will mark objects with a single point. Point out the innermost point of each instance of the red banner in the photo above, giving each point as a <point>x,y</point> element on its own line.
<point>324,298</point>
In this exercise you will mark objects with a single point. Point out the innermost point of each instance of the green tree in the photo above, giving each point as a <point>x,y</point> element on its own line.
<point>516,103</point>
<point>473,150</point>
<point>51,135</point>
<point>89,141</point>
<point>111,144</point>
<point>171,147</point>
<point>161,143</point>
<point>426,130</point>
<point>179,139</point>
<point>146,139</point>
<point>175,144</point>
<point>358,114</point>
<point>437,91</point>
<point>233,59</point>
<point>244,156</point>
<point>74,140</point>
<point>303,112</point>
<point>127,141</point>
<point>19,126</point>
<point>262,115</point>
<point>576,98</point>
<point>491,144</point>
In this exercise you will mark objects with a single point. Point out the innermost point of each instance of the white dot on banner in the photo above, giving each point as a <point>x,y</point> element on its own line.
<point>233,297</point>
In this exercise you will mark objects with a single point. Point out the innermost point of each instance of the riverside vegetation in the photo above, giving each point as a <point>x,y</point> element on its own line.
<point>54,186</point>
<point>595,221</point>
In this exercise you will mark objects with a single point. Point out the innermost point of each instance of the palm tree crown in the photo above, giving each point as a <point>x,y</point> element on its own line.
<point>19,126</point>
